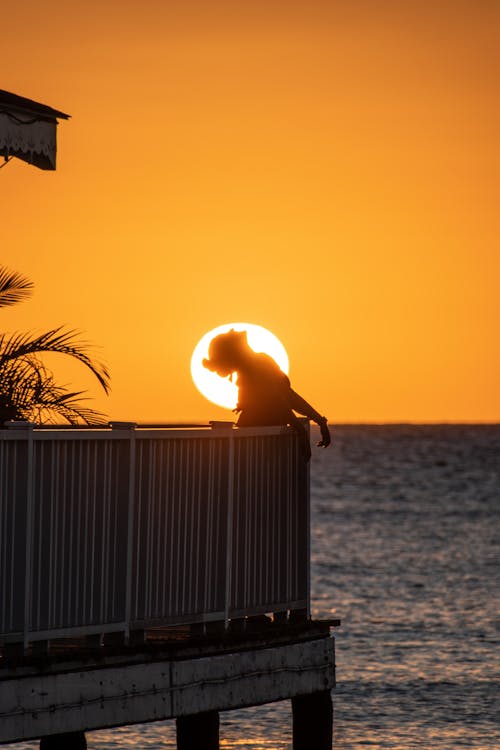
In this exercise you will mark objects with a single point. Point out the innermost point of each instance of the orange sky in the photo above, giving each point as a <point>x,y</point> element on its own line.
<point>328,170</point>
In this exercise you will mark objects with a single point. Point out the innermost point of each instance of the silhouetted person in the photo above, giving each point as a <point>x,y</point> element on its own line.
<point>265,396</point>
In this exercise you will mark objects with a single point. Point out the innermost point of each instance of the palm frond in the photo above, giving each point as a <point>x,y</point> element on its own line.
<point>14,287</point>
<point>57,403</point>
<point>57,340</point>
<point>29,390</point>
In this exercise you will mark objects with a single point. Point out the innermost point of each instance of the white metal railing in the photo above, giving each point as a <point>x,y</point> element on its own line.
<point>116,529</point>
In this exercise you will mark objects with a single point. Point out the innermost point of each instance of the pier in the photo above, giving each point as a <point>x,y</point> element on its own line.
<point>151,573</point>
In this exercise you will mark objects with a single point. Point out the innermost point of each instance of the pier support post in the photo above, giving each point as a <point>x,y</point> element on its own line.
<point>200,731</point>
<point>64,741</point>
<point>313,721</point>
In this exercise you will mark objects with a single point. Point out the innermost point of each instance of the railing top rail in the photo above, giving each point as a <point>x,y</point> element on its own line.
<point>124,430</point>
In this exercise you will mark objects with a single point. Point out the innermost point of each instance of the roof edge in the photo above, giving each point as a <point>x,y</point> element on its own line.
<point>22,104</point>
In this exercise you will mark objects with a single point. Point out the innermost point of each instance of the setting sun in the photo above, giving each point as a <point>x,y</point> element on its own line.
<point>224,391</point>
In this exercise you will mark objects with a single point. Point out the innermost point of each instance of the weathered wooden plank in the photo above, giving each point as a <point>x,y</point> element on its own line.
<point>35,705</point>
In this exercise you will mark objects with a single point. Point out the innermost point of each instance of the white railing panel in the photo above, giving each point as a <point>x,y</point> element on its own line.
<point>79,533</point>
<point>118,529</point>
<point>270,524</point>
<point>179,521</point>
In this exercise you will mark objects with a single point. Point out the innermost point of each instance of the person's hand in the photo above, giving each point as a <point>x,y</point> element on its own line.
<point>325,434</point>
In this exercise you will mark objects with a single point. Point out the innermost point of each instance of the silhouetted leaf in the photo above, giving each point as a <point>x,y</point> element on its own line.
<point>28,389</point>
<point>13,287</point>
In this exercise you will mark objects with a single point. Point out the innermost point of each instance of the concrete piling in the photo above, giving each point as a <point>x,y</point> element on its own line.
<point>64,741</point>
<point>313,721</point>
<point>200,731</point>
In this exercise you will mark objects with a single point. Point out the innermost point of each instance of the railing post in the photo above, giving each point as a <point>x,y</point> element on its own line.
<point>308,543</point>
<point>227,427</point>
<point>27,427</point>
<point>130,426</point>
<point>28,597</point>
<point>229,536</point>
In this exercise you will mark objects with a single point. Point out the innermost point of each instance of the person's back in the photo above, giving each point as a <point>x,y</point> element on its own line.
<point>263,393</point>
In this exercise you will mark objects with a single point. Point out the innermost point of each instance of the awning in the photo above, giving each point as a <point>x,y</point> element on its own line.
<point>28,130</point>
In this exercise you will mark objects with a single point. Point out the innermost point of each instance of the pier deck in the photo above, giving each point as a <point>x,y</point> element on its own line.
<point>77,685</point>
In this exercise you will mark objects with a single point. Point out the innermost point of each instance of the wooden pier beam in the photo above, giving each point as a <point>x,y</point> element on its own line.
<point>200,731</point>
<point>313,721</point>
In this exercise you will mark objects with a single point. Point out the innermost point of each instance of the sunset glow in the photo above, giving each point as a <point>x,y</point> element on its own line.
<point>224,391</point>
<point>328,170</point>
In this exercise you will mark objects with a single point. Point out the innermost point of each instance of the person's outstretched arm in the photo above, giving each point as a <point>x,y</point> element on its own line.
<point>301,406</point>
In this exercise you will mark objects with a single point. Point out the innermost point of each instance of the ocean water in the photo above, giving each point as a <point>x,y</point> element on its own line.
<point>405,551</point>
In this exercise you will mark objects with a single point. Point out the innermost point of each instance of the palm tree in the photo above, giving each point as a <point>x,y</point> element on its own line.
<point>28,389</point>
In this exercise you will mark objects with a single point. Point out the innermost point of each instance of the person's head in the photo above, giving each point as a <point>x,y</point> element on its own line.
<point>227,352</point>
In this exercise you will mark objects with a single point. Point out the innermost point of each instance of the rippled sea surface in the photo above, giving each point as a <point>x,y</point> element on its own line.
<point>405,550</point>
